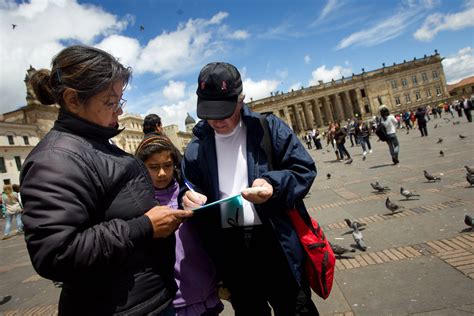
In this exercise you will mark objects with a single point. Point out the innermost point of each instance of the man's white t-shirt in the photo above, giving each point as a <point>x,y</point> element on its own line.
<point>231,151</point>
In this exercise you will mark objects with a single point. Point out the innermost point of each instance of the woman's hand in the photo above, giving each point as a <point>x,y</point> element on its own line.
<point>166,220</point>
<point>192,200</point>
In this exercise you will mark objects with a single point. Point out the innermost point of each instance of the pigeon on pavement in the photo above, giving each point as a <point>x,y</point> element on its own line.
<point>350,223</point>
<point>469,221</point>
<point>441,153</point>
<point>469,170</point>
<point>430,177</point>
<point>358,238</point>
<point>339,250</point>
<point>470,178</point>
<point>408,194</point>
<point>394,208</point>
<point>377,186</point>
<point>328,176</point>
<point>462,136</point>
<point>440,140</point>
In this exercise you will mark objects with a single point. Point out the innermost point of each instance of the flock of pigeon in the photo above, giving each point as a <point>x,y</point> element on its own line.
<point>356,227</point>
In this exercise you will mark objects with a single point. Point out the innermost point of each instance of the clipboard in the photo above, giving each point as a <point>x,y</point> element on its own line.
<point>227,199</point>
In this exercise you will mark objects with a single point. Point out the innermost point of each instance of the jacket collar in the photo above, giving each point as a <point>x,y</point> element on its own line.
<point>71,123</point>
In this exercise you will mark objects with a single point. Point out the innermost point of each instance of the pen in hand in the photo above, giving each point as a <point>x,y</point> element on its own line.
<point>188,185</point>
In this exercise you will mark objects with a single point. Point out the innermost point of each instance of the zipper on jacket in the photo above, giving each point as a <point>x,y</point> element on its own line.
<point>323,272</point>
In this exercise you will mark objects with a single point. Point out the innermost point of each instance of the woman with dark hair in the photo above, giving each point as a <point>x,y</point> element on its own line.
<point>390,124</point>
<point>194,271</point>
<point>340,137</point>
<point>90,217</point>
<point>421,119</point>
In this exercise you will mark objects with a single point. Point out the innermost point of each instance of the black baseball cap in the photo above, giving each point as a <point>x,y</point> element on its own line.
<point>219,87</point>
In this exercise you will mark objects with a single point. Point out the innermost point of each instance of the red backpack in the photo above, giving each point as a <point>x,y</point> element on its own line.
<point>320,259</point>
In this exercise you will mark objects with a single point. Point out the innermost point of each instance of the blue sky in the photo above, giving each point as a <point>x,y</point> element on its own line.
<point>277,45</point>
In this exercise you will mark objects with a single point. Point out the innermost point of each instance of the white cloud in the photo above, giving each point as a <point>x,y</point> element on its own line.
<point>336,72</point>
<point>296,86</point>
<point>307,59</point>
<point>125,49</point>
<point>259,89</point>
<point>439,22</point>
<point>460,65</point>
<point>383,31</point>
<point>174,90</point>
<point>42,28</point>
<point>330,6</point>
<point>239,35</point>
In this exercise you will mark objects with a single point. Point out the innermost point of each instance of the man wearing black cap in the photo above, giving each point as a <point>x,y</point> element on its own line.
<point>254,246</point>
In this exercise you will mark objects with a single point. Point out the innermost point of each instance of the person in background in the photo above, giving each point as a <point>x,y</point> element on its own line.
<point>194,271</point>
<point>406,119</point>
<point>91,220</point>
<point>362,133</point>
<point>467,107</point>
<point>317,139</point>
<point>421,118</point>
<point>351,126</point>
<point>390,124</point>
<point>413,119</point>
<point>254,245</point>
<point>340,137</point>
<point>13,210</point>
<point>152,125</point>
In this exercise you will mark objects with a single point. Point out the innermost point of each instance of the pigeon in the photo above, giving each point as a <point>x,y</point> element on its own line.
<point>462,136</point>
<point>469,170</point>
<point>358,238</point>
<point>441,153</point>
<point>392,206</point>
<point>380,188</point>
<point>440,140</point>
<point>339,250</point>
<point>430,177</point>
<point>470,178</point>
<point>349,162</point>
<point>456,123</point>
<point>408,194</point>
<point>350,223</point>
<point>13,26</point>
<point>447,120</point>
<point>436,126</point>
<point>328,176</point>
<point>6,298</point>
<point>142,28</point>
<point>469,221</point>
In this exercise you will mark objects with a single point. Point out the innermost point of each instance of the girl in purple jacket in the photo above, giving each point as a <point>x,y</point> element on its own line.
<point>194,271</point>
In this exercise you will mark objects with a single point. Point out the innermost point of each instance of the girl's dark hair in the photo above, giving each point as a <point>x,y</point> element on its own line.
<point>384,112</point>
<point>87,70</point>
<point>156,144</point>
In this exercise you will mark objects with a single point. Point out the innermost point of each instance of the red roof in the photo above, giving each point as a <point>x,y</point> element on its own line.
<point>464,82</point>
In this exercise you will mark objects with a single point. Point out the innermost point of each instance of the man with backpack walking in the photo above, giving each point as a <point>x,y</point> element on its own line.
<point>254,246</point>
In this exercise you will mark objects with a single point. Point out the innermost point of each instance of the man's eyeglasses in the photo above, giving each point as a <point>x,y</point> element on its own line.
<point>116,106</point>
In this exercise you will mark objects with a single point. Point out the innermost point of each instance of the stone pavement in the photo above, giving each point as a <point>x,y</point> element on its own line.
<point>419,262</point>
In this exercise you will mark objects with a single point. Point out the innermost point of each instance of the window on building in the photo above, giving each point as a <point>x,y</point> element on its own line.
<point>18,162</point>
<point>424,76</point>
<point>397,100</point>
<point>394,84</point>
<point>418,95</point>
<point>26,140</point>
<point>414,80</point>
<point>407,98</point>
<point>3,168</point>
<point>366,108</point>
<point>428,93</point>
<point>362,92</point>
<point>6,181</point>
<point>10,140</point>
<point>438,91</point>
<point>404,82</point>
<point>435,74</point>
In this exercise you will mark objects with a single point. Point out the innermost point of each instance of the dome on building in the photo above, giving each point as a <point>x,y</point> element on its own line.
<point>189,120</point>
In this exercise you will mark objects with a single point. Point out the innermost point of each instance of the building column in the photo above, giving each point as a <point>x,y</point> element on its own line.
<point>296,113</point>
<point>338,107</point>
<point>348,102</point>
<point>327,110</point>
<point>355,101</point>
<point>316,113</point>
<point>360,100</point>
<point>308,113</point>
<point>288,117</point>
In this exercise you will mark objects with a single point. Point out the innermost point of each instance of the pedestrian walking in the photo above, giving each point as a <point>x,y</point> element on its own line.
<point>362,132</point>
<point>253,243</point>
<point>340,137</point>
<point>91,220</point>
<point>421,118</point>
<point>13,210</point>
<point>467,107</point>
<point>389,122</point>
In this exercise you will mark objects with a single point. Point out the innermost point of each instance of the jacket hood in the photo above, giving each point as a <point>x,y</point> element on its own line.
<point>71,123</point>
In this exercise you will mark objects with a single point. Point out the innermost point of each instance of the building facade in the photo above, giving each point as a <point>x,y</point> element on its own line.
<point>408,85</point>
<point>464,87</point>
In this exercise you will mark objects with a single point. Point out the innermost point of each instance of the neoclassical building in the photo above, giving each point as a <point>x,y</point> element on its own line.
<point>408,85</point>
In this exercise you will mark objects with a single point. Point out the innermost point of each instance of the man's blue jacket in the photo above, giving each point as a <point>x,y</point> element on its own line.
<point>292,176</point>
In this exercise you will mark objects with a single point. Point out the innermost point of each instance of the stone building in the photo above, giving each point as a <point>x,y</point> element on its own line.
<point>408,85</point>
<point>463,87</point>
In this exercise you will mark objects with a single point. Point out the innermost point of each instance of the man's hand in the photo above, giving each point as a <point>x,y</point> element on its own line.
<point>260,195</point>
<point>166,220</point>
<point>192,200</point>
